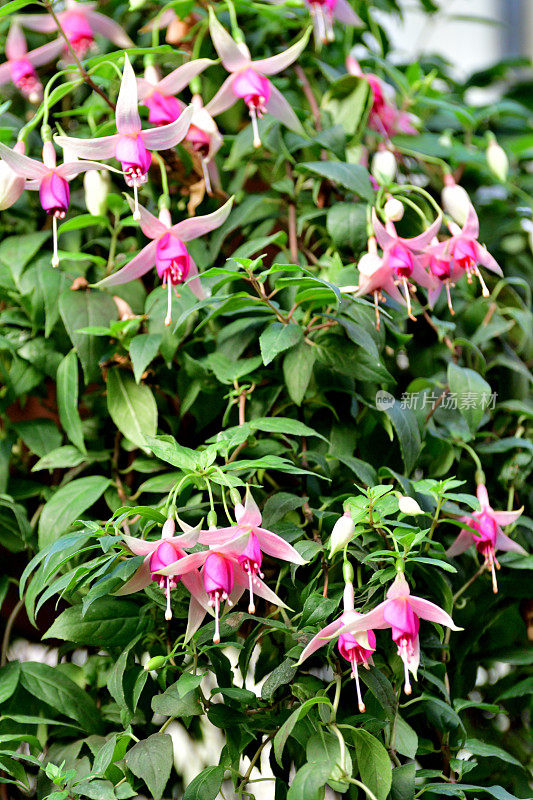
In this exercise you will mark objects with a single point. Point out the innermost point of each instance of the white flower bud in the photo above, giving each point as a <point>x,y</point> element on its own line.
<point>342,533</point>
<point>393,209</point>
<point>455,201</point>
<point>497,160</point>
<point>408,505</point>
<point>384,166</point>
<point>96,184</point>
<point>368,264</point>
<point>11,184</point>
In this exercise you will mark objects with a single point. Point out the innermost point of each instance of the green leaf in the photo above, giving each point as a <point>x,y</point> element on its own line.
<point>9,678</point>
<point>173,703</point>
<point>348,101</point>
<point>373,762</point>
<point>297,370</point>
<point>61,457</point>
<point>403,782</point>
<point>228,370</point>
<point>132,407</point>
<point>486,750</point>
<point>51,686</point>
<point>67,399</point>
<point>143,349</point>
<point>67,504</point>
<point>108,622</point>
<point>17,251</point>
<point>405,738</point>
<point>206,785</point>
<point>277,338</point>
<point>96,790</point>
<point>472,393</point>
<point>40,435</point>
<point>353,177</point>
<point>346,224</point>
<point>167,449</point>
<point>309,781</point>
<point>282,674</point>
<point>151,760</point>
<point>82,310</point>
<point>404,422</point>
<point>280,739</point>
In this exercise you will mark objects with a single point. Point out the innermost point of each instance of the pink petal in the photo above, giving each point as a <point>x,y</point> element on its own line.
<point>260,588</point>
<point>462,543</point>
<point>139,580</point>
<point>233,56</point>
<point>343,12</point>
<point>127,112</point>
<point>45,53</point>
<point>504,542</point>
<point>399,588</point>
<point>506,517</point>
<point>22,165</point>
<point>139,265</point>
<point>195,586</point>
<point>168,136</point>
<point>414,661</point>
<point>280,109</point>
<point>482,496</point>
<point>44,23</point>
<point>224,98</point>
<point>99,147</point>
<point>195,618</point>
<point>160,21</point>
<point>432,612</point>
<point>194,227</point>
<point>471,226</point>
<point>151,226</point>
<point>385,239</point>
<point>107,27</point>
<point>422,241</point>
<point>15,42</point>
<point>274,545</point>
<point>372,620</point>
<point>250,514</point>
<point>487,261</point>
<point>322,638</point>
<point>139,547</point>
<point>222,536</point>
<point>274,64</point>
<point>179,78</point>
<point>186,564</point>
<point>74,168</point>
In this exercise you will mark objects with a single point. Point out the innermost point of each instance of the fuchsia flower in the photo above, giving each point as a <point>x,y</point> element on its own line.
<point>247,79</point>
<point>130,145</point>
<point>461,254</point>
<point>157,93</point>
<point>50,180</point>
<point>11,184</point>
<point>249,541</point>
<point>167,250</point>
<point>159,554</point>
<point>356,648</point>
<point>324,12</point>
<point>20,65</point>
<point>487,536</point>
<point>401,612</point>
<point>80,22</point>
<point>384,117</point>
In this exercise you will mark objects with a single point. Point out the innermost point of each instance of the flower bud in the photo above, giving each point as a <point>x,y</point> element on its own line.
<point>384,166</point>
<point>497,160</point>
<point>212,519</point>
<point>455,200</point>
<point>347,572</point>
<point>168,528</point>
<point>408,505</point>
<point>156,662</point>
<point>368,264</point>
<point>96,184</point>
<point>234,496</point>
<point>11,184</point>
<point>342,533</point>
<point>393,209</point>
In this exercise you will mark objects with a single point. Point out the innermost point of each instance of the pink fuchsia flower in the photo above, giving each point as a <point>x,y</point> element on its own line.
<point>356,648</point>
<point>487,535</point>
<point>50,180</point>
<point>11,184</point>
<point>464,254</point>
<point>157,555</point>
<point>167,251</point>
<point>224,579</point>
<point>20,65</point>
<point>249,541</point>
<point>401,612</point>
<point>324,12</point>
<point>157,93</point>
<point>384,117</point>
<point>80,22</point>
<point>130,145</point>
<point>248,79</point>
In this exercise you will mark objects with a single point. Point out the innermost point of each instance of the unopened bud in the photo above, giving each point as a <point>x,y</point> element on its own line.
<point>347,572</point>
<point>235,496</point>
<point>156,662</point>
<point>212,519</point>
<point>135,4</point>
<point>408,505</point>
<point>393,209</point>
<point>384,166</point>
<point>368,264</point>
<point>96,184</point>
<point>497,160</point>
<point>168,528</point>
<point>455,200</point>
<point>342,533</point>
<point>11,184</point>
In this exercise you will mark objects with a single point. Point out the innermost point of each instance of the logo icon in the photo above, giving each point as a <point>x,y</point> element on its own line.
<point>384,400</point>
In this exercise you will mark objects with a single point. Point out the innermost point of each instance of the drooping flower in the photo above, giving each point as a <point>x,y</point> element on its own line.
<point>248,79</point>
<point>401,612</point>
<point>80,22</point>
<point>158,94</point>
<point>487,536</point>
<point>130,145</point>
<point>325,12</point>
<point>167,251</point>
<point>50,180</point>
<point>384,117</point>
<point>249,541</point>
<point>20,65</point>
<point>158,554</point>
<point>356,648</point>
<point>461,254</point>
<point>342,533</point>
<point>11,184</point>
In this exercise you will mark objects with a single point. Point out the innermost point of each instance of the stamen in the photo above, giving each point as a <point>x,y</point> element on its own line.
<point>355,674</point>
<point>448,295</point>
<point>168,612</point>
<point>207,179</point>
<point>376,306</point>
<point>168,318</point>
<point>330,35</point>
<point>321,24</point>
<point>136,212</point>
<point>255,128</point>
<point>216,635</point>
<point>403,656</point>
<point>251,605</point>
<point>484,288</point>
<point>55,256</point>
<point>316,28</point>
<point>407,298</point>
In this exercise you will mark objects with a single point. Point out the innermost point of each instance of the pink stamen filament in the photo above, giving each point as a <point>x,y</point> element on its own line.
<point>168,612</point>
<point>484,289</point>
<point>255,128</point>
<point>136,212</point>
<point>55,256</point>
<point>252,569</point>
<point>168,318</point>
<point>214,602</point>
<point>448,295</point>
<point>355,675</point>
<point>376,306</point>
<point>402,652</point>
<point>207,179</point>
<point>407,293</point>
